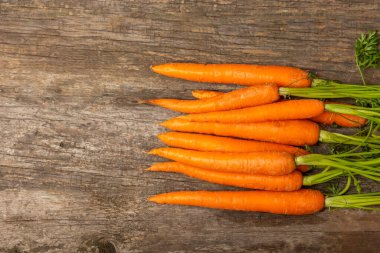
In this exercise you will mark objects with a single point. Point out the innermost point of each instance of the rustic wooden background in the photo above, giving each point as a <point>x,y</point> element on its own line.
<point>74,137</point>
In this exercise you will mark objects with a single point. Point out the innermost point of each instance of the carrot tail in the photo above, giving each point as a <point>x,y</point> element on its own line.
<point>290,182</point>
<point>299,202</point>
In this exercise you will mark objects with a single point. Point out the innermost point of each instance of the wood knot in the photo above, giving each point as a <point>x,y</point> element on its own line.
<point>105,246</point>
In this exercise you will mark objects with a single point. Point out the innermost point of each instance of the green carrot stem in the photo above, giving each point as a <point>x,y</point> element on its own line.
<point>372,114</point>
<point>345,189</point>
<point>357,167</point>
<point>358,154</point>
<point>322,83</point>
<point>330,89</point>
<point>322,177</point>
<point>361,201</point>
<point>329,137</point>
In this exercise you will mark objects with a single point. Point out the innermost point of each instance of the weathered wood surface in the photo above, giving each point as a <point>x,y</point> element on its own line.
<point>74,136</point>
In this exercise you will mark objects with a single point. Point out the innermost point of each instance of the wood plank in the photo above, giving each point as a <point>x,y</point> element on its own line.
<point>75,135</point>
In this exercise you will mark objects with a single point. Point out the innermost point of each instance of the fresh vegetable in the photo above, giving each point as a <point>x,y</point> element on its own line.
<point>272,163</point>
<point>289,81</point>
<point>290,182</point>
<point>371,114</point>
<point>284,110</point>
<point>287,110</point>
<point>289,132</point>
<point>251,96</point>
<point>202,142</point>
<point>242,74</point>
<point>264,163</point>
<point>251,113</point>
<point>299,202</point>
<point>343,120</point>
<point>326,118</point>
<point>211,106</point>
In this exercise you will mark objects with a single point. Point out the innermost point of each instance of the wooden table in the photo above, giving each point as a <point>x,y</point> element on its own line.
<point>74,135</point>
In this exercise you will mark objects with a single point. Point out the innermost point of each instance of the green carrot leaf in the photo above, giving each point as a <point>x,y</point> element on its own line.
<point>367,54</point>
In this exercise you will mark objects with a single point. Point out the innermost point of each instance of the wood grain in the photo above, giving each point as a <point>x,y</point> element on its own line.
<point>74,135</point>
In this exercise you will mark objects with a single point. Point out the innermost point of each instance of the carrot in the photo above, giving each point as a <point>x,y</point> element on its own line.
<point>251,96</point>
<point>202,94</point>
<point>326,118</point>
<point>344,120</point>
<point>299,202</point>
<point>290,132</point>
<point>202,142</point>
<point>270,163</point>
<point>304,201</point>
<point>289,182</point>
<point>285,110</point>
<point>264,163</point>
<point>242,74</point>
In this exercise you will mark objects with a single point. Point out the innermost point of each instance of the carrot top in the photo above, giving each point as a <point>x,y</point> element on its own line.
<point>369,94</point>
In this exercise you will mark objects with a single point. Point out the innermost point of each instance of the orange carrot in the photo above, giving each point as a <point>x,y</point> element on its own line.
<point>326,118</point>
<point>250,96</point>
<point>290,182</point>
<point>303,168</point>
<point>299,202</point>
<point>202,142</point>
<point>344,120</point>
<point>202,94</point>
<point>290,132</point>
<point>285,110</point>
<point>263,163</point>
<point>242,74</point>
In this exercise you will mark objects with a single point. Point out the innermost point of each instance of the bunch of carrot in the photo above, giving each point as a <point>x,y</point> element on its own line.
<point>248,138</point>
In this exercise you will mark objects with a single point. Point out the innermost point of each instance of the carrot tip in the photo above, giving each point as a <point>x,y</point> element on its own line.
<point>143,101</point>
<point>182,117</point>
<point>159,198</point>
<point>161,137</point>
<point>153,199</point>
<point>155,151</point>
<point>163,124</point>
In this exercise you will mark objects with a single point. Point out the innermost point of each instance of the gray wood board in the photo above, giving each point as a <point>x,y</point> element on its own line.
<point>74,137</point>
